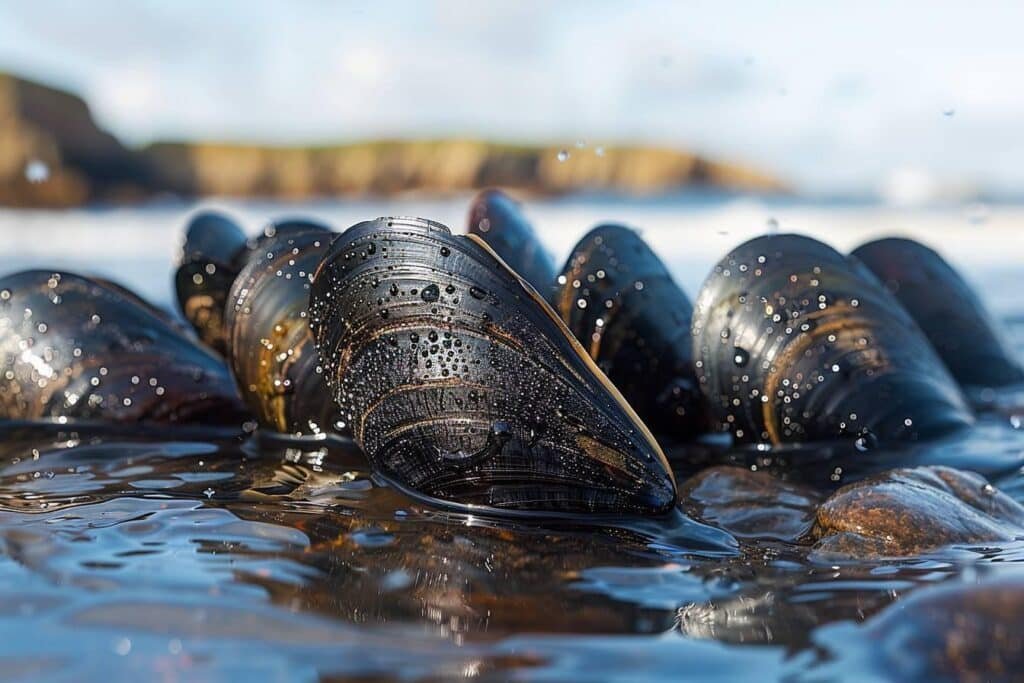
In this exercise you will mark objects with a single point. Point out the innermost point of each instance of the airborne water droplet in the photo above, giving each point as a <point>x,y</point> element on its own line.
<point>563,155</point>
<point>37,171</point>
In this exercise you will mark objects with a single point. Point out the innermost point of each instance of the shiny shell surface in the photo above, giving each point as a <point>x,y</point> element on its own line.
<point>461,383</point>
<point>270,346</point>
<point>619,300</point>
<point>795,342</point>
<point>80,348</point>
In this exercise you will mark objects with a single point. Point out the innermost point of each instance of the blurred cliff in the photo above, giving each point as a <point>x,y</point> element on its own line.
<point>53,154</point>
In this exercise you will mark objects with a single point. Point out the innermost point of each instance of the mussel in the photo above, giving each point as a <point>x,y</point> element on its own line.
<point>499,221</point>
<point>270,347</point>
<point>795,342</point>
<point>72,347</point>
<point>947,310</point>
<point>211,257</point>
<point>619,300</point>
<point>462,385</point>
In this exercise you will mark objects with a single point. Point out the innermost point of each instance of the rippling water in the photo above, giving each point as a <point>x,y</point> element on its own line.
<point>209,555</point>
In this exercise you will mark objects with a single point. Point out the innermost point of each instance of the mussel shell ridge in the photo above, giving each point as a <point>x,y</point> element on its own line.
<point>620,301</point>
<point>461,383</point>
<point>75,347</point>
<point>947,310</point>
<point>270,344</point>
<point>794,342</point>
<point>499,221</point>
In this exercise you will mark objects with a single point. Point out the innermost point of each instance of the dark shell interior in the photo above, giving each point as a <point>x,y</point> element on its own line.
<point>75,347</point>
<point>947,310</point>
<point>795,342</point>
<point>462,384</point>
<point>619,300</point>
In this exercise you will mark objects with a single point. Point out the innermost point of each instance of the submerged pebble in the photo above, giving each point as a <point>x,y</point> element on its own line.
<point>906,512</point>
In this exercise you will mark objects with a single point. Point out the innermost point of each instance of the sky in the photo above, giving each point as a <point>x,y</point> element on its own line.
<point>834,97</point>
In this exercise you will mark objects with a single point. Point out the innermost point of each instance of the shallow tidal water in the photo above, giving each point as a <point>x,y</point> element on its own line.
<point>196,554</point>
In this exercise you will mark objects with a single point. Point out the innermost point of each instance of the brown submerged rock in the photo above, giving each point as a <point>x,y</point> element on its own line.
<point>750,504</point>
<point>957,631</point>
<point>907,512</point>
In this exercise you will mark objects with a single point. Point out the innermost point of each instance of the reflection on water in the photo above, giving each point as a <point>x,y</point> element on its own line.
<point>207,555</point>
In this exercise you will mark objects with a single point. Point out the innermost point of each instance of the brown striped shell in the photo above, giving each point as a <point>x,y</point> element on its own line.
<point>270,347</point>
<point>795,342</point>
<point>461,383</point>
<point>213,253</point>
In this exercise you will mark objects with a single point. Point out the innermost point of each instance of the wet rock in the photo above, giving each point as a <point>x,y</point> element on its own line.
<point>957,631</point>
<point>750,504</point>
<point>911,511</point>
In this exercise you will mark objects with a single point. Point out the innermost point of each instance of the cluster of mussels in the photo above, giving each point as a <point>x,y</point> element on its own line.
<point>471,372</point>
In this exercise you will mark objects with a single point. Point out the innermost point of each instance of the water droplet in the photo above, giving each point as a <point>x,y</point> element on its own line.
<point>123,646</point>
<point>866,440</point>
<point>36,171</point>
<point>563,155</point>
<point>740,357</point>
<point>948,112</point>
<point>209,493</point>
<point>430,293</point>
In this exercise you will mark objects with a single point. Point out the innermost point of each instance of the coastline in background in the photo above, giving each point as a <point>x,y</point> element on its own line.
<point>53,154</point>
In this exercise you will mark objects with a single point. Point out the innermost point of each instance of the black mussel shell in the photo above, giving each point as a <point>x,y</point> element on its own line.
<point>947,310</point>
<point>285,227</point>
<point>619,300</point>
<point>213,253</point>
<point>795,342</point>
<point>461,384</point>
<point>270,347</point>
<point>499,221</point>
<point>79,348</point>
